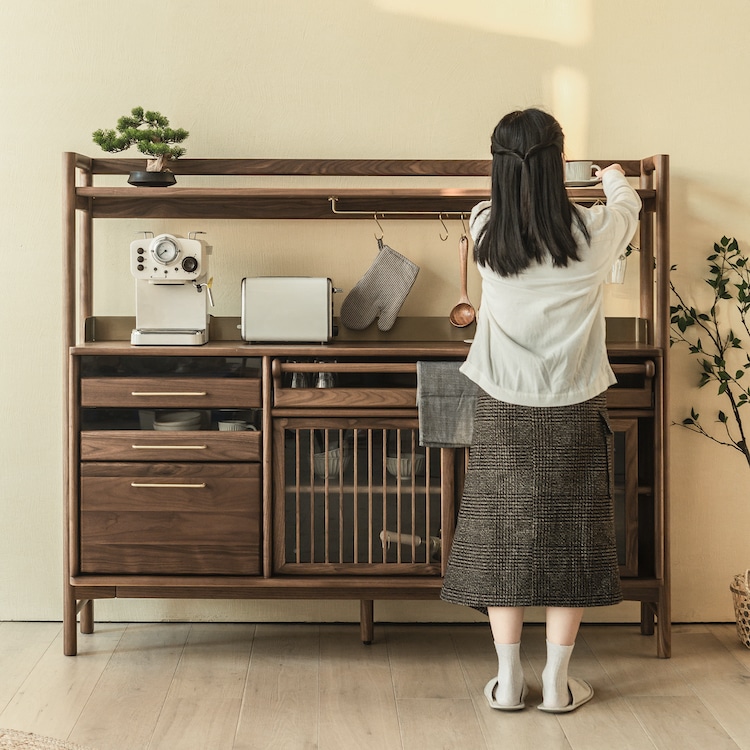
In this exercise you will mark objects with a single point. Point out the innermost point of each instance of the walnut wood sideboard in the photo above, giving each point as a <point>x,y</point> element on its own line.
<point>328,495</point>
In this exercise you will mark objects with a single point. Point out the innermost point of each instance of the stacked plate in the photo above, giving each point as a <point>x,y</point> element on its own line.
<point>178,420</point>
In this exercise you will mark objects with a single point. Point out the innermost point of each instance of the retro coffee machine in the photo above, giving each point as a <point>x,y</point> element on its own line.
<point>172,290</point>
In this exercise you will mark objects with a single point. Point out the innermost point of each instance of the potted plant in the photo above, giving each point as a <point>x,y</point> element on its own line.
<point>151,134</point>
<point>711,334</point>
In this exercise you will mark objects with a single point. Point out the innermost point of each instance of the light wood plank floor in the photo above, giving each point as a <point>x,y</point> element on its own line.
<point>244,686</point>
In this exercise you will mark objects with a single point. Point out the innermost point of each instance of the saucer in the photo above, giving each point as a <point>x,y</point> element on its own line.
<point>583,183</point>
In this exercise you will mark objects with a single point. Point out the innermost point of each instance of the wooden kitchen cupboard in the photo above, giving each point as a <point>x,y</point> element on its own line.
<point>331,496</point>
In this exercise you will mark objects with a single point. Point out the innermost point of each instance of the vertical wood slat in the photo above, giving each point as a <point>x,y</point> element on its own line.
<point>428,502</point>
<point>399,530</point>
<point>312,497</point>
<point>384,543</point>
<point>414,498</point>
<point>326,507</point>
<point>297,498</point>
<point>343,503</point>
<point>341,497</point>
<point>370,520</point>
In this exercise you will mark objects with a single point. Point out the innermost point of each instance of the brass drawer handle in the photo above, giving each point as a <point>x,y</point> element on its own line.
<point>169,393</point>
<point>197,486</point>
<point>169,447</point>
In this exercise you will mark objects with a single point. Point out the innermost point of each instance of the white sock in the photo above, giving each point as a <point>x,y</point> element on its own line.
<point>509,674</point>
<point>555,676</point>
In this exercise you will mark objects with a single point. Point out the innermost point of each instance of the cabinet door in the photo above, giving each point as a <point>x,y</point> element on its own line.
<point>359,496</point>
<point>626,491</point>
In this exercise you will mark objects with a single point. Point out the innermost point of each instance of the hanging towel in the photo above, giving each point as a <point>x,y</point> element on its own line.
<point>446,399</point>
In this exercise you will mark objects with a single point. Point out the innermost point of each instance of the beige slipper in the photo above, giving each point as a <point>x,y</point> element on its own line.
<point>489,693</point>
<point>580,692</point>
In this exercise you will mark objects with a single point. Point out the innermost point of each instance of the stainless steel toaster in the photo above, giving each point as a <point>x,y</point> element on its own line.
<point>287,308</point>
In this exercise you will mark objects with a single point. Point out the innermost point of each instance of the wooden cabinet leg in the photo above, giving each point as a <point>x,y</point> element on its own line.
<point>664,629</point>
<point>647,618</point>
<point>87,616</point>
<point>70,645</point>
<point>366,620</point>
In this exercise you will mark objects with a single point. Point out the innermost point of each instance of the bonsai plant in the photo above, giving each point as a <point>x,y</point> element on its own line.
<point>711,336</point>
<point>151,134</point>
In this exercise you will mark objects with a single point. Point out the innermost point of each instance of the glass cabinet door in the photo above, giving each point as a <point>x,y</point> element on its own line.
<point>356,496</point>
<point>626,490</point>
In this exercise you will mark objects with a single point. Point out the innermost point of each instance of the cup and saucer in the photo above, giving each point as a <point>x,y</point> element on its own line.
<point>581,174</point>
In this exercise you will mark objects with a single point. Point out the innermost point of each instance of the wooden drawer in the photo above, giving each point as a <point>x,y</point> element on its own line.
<point>147,445</point>
<point>197,393</point>
<point>635,386</point>
<point>178,519</point>
<point>342,398</point>
<point>398,395</point>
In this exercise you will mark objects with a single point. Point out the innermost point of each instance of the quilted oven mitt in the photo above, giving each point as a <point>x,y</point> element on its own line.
<point>381,292</point>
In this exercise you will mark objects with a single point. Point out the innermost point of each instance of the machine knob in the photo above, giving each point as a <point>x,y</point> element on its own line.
<point>189,264</point>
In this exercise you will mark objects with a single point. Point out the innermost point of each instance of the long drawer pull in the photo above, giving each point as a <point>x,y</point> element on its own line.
<point>196,486</point>
<point>169,393</point>
<point>169,447</point>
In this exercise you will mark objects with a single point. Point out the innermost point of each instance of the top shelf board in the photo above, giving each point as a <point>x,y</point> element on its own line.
<point>269,202</point>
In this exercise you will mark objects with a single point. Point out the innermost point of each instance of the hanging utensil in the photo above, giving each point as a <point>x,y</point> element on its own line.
<point>463,314</point>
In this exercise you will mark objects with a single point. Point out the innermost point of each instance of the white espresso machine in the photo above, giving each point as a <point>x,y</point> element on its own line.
<point>172,290</point>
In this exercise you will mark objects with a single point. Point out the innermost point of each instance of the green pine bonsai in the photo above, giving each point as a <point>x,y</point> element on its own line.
<point>150,132</point>
<point>709,335</point>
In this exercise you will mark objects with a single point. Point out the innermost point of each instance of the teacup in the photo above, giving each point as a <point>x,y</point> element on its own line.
<point>580,171</point>
<point>235,425</point>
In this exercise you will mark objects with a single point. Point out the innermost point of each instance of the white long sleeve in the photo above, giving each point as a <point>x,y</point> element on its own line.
<point>540,336</point>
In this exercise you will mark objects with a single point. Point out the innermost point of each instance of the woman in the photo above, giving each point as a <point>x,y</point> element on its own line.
<point>536,522</point>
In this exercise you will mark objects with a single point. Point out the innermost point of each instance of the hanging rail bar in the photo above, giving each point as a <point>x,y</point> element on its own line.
<point>383,214</point>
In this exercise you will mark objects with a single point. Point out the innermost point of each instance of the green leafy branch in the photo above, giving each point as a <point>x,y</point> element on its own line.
<point>149,132</point>
<point>710,337</point>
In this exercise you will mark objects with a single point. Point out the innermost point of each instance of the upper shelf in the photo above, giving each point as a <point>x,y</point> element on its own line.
<point>300,202</point>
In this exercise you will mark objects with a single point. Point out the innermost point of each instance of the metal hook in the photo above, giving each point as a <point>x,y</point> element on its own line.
<point>382,231</point>
<point>440,218</point>
<point>463,224</point>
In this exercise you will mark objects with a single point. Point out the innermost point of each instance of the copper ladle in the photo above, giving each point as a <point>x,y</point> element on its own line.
<point>463,314</point>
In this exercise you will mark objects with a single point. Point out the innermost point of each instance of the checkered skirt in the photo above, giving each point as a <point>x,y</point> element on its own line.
<point>536,520</point>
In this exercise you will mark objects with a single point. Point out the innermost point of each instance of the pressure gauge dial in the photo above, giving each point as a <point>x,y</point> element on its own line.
<point>165,249</point>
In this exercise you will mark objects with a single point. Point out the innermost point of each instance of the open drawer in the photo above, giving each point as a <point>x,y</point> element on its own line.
<point>358,385</point>
<point>393,385</point>
<point>635,385</point>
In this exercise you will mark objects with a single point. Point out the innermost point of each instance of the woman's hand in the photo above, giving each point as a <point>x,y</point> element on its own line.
<point>610,168</point>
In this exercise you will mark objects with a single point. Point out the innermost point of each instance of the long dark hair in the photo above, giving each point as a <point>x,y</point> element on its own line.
<point>531,215</point>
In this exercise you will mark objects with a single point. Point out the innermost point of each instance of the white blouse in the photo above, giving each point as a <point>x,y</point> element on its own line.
<point>540,335</point>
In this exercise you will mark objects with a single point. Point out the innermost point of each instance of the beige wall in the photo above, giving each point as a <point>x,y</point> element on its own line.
<point>353,78</point>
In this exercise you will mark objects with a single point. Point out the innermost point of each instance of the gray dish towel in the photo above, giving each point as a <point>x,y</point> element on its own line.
<point>446,400</point>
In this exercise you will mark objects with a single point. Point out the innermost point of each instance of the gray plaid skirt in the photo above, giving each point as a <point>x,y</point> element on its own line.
<point>536,521</point>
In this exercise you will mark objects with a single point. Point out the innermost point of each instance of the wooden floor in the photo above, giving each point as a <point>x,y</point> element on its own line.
<point>236,687</point>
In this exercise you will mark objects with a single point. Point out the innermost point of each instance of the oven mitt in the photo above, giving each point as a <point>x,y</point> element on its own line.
<point>380,292</point>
